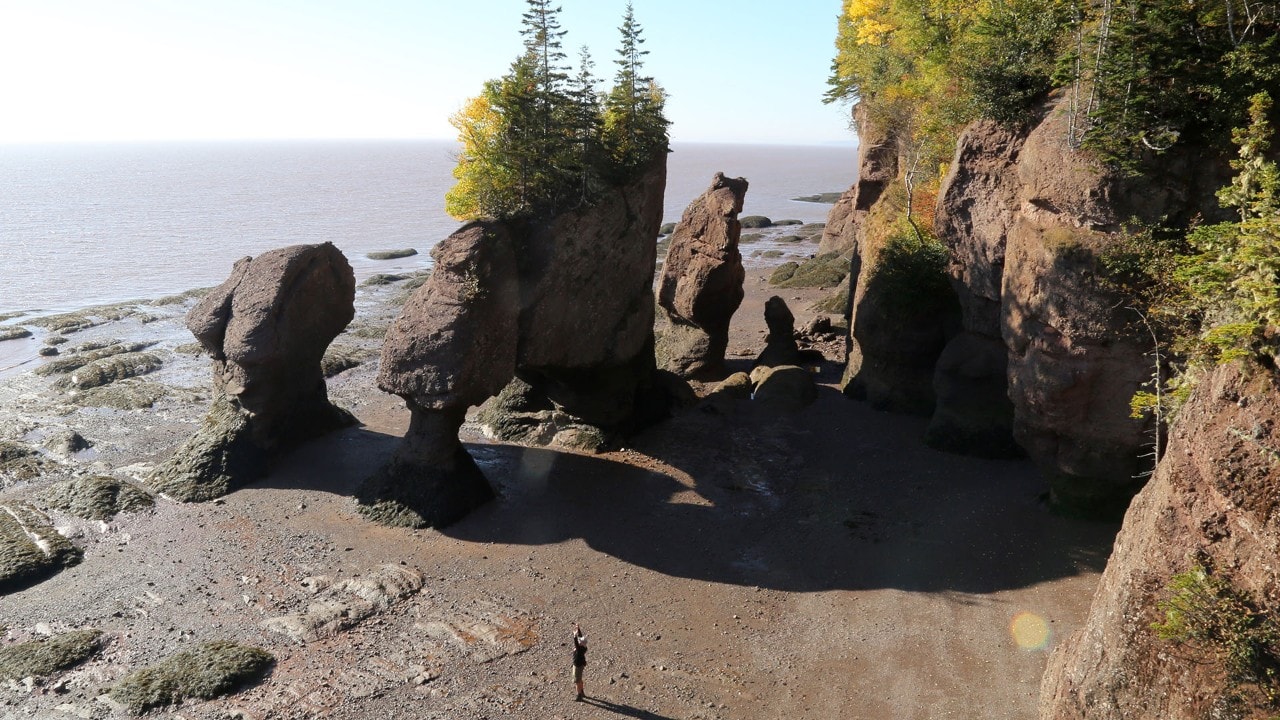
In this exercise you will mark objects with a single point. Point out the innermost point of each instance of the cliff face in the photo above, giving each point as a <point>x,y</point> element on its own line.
<point>1044,358</point>
<point>1214,502</point>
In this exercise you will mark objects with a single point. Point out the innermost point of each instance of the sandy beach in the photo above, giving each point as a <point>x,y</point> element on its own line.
<point>727,563</point>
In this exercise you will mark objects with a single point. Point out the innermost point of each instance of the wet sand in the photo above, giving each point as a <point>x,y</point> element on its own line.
<point>728,564</point>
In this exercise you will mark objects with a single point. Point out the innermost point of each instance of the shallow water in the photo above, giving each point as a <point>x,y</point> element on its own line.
<point>83,225</point>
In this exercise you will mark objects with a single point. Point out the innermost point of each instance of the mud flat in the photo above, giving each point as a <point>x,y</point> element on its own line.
<point>728,563</point>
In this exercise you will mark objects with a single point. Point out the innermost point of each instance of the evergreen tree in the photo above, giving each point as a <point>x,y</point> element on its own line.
<point>635,129</point>
<point>584,126</point>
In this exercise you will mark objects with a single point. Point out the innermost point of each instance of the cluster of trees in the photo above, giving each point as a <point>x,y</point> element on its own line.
<point>539,140</point>
<point>1142,75</point>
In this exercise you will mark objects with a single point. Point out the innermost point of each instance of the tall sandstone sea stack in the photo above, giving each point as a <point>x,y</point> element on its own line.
<point>701,285</point>
<point>1042,356</point>
<point>266,327</point>
<point>555,318</point>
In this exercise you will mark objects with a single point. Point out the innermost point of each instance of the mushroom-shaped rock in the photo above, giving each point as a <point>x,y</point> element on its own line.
<point>585,367</point>
<point>780,347</point>
<point>453,346</point>
<point>701,285</point>
<point>266,327</point>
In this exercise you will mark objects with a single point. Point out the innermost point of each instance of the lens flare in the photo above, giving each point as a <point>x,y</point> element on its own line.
<point>1030,631</point>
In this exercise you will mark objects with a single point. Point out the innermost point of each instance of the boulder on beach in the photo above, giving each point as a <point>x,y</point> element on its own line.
<point>701,284</point>
<point>785,388</point>
<point>266,328</point>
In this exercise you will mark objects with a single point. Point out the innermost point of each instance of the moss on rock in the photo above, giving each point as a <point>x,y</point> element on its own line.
<point>206,672</point>
<point>19,462</point>
<point>124,395</point>
<point>88,353</point>
<point>30,549</point>
<point>46,656</point>
<point>383,279</point>
<point>98,497</point>
<point>108,370</point>
<point>823,271</point>
<point>339,358</point>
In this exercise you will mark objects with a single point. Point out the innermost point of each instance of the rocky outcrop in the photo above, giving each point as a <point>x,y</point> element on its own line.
<point>553,320</point>
<point>847,224</point>
<point>701,284</point>
<point>1026,219</point>
<point>1214,503</point>
<point>780,346</point>
<point>785,388</point>
<point>453,346</point>
<point>266,327</point>
<point>585,368</point>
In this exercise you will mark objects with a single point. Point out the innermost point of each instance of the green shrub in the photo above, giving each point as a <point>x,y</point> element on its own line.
<point>1209,612</point>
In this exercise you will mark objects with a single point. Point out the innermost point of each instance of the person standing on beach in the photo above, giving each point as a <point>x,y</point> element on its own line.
<point>579,658</point>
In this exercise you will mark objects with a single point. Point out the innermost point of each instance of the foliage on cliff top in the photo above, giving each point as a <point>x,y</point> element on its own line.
<point>1211,295</point>
<point>1141,76</point>
<point>537,141</point>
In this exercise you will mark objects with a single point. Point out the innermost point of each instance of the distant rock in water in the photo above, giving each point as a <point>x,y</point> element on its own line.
<point>391,254</point>
<point>266,327</point>
<point>828,198</point>
<point>701,285</point>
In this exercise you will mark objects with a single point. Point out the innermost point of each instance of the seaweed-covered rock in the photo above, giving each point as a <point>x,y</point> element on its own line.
<point>266,327</point>
<point>108,370</point>
<point>13,332</point>
<point>98,497</point>
<point>123,395</point>
<point>701,285</point>
<point>756,222</point>
<point>30,549</point>
<point>48,655</point>
<point>780,346</point>
<point>211,670</point>
<point>827,270</point>
<point>65,442</point>
<point>19,462</point>
<point>87,354</point>
<point>338,607</point>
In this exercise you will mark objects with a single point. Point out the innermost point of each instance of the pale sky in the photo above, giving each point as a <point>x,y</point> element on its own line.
<point>748,71</point>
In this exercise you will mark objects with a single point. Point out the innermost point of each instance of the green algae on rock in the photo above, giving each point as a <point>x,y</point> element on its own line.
<point>48,655</point>
<point>98,497</point>
<point>30,549</point>
<point>19,462</point>
<point>211,670</point>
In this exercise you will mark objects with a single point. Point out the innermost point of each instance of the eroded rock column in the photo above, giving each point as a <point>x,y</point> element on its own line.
<point>266,327</point>
<point>701,285</point>
<point>453,346</point>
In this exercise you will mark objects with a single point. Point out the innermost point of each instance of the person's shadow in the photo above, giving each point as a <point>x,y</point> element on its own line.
<point>623,709</point>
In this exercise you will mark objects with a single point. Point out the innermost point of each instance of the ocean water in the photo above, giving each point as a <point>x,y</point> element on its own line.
<point>83,225</point>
